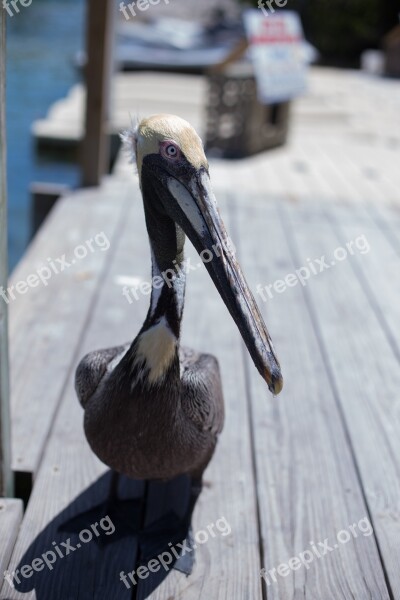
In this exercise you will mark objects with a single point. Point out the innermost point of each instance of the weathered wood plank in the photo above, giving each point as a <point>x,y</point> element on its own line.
<point>365,373</point>
<point>47,320</point>
<point>6,481</point>
<point>329,168</point>
<point>376,264</point>
<point>388,219</point>
<point>370,170</point>
<point>10,519</point>
<point>308,486</point>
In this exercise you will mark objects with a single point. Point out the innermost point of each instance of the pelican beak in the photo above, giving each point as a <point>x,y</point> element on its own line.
<point>191,204</point>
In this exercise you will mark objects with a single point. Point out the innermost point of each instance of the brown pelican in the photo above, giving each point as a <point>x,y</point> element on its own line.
<point>153,409</point>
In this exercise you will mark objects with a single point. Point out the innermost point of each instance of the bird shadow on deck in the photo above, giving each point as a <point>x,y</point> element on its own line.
<point>88,562</point>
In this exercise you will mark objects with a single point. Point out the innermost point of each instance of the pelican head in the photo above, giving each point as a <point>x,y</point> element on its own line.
<point>178,200</point>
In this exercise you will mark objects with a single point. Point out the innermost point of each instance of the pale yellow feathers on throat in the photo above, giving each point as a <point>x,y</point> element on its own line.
<point>157,349</point>
<point>161,128</point>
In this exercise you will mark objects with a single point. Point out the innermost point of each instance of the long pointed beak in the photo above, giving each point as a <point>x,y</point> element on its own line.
<point>197,213</point>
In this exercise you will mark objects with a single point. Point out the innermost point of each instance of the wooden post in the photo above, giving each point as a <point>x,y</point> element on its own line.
<point>6,484</point>
<point>99,38</point>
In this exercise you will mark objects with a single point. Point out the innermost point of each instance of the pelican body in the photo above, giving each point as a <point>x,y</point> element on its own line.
<point>153,410</point>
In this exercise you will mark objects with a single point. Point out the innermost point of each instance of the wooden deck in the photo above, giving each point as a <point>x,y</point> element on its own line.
<point>132,93</point>
<point>311,468</point>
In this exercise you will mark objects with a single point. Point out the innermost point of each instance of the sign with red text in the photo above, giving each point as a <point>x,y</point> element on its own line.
<point>277,52</point>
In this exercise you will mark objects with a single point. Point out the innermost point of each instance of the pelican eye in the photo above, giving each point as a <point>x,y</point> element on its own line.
<point>170,151</point>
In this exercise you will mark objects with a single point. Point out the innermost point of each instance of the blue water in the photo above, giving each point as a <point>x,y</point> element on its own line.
<point>41,42</point>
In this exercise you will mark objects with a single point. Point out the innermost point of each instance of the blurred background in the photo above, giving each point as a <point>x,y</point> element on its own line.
<point>42,41</point>
<point>298,104</point>
<point>46,57</point>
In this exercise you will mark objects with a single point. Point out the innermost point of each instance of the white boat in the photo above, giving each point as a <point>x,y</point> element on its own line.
<point>173,44</point>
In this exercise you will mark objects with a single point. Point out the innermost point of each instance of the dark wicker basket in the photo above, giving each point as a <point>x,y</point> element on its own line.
<point>238,125</point>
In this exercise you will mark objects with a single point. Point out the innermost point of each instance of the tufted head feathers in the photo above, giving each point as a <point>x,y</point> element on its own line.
<point>146,136</point>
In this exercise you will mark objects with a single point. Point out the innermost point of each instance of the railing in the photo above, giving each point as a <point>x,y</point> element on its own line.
<point>5,469</point>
